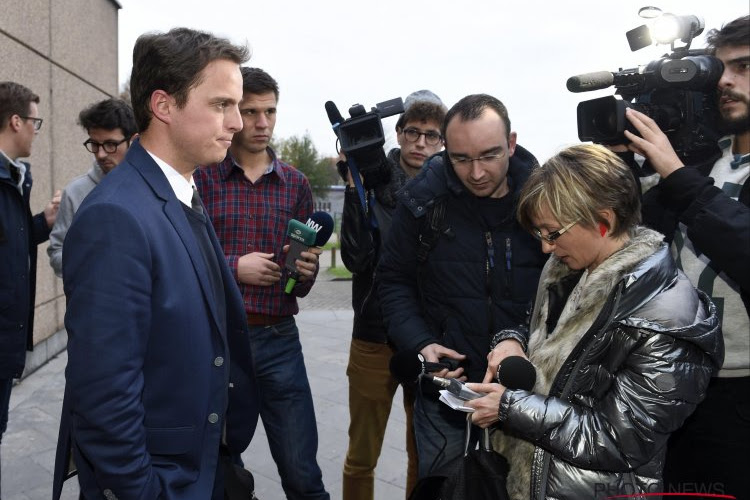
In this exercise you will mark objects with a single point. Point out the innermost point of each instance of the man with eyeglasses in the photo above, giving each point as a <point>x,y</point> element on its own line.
<point>371,385</point>
<point>110,125</point>
<point>20,233</point>
<point>479,273</point>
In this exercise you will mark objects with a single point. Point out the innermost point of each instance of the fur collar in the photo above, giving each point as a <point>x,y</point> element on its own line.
<point>548,350</point>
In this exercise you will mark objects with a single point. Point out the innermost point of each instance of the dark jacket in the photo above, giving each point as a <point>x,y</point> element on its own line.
<point>462,294</point>
<point>20,233</point>
<point>361,246</point>
<point>150,387</point>
<point>615,376</point>
<point>717,225</point>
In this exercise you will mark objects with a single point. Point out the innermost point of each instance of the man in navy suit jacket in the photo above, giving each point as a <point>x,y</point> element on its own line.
<point>153,311</point>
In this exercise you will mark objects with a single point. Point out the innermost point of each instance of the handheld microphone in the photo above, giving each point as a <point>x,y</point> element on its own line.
<point>408,366</point>
<point>301,237</point>
<point>590,81</point>
<point>516,372</point>
<point>315,232</point>
<point>455,387</point>
<point>322,223</point>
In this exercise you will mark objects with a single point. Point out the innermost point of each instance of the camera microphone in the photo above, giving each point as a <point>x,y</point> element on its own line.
<point>334,115</point>
<point>408,366</point>
<point>315,232</point>
<point>590,81</point>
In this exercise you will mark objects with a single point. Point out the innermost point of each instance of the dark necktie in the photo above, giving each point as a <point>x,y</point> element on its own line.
<point>196,202</point>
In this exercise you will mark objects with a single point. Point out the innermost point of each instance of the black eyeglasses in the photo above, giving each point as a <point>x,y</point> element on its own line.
<point>37,121</point>
<point>551,237</point>
<point>108,146</point>
<point>431,138</point>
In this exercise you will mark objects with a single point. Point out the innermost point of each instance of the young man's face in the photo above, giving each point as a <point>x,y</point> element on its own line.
<point>418,141</point>
<point>202,130</point>
<point>258,113</point>
<point>103,141</point>
<point>480,151</point>
<point>734,86</point>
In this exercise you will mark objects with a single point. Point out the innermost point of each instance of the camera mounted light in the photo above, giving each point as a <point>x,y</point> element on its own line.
<point>667,28</point>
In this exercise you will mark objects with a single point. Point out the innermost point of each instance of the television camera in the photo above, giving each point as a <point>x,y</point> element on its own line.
<point>361,138</point>
<point>678,91</point>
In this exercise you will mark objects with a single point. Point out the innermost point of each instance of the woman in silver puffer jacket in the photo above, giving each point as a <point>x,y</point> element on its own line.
<point>623,345</point>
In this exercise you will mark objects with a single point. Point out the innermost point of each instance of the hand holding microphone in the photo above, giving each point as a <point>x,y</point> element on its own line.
<point>513,372</point>
<point>502,350</point>
<point>408,366</point>
<point>305,241</point>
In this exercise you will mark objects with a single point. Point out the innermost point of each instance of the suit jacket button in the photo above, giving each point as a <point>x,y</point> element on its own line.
<point>219,361</point>
<point>213,418</point>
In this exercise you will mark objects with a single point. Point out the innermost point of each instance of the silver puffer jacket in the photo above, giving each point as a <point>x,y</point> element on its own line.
<point>616,375</point>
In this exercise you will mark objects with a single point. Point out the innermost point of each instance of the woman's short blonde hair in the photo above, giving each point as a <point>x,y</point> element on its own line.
<point>577,184</point>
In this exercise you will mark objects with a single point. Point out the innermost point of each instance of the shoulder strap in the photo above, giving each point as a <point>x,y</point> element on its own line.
<point>431,229</point>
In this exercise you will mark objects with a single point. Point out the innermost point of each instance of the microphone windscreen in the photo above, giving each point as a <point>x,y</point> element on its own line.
<point>323,224</point>
<point>590,81</point>
<point>333,113</point>
<point>517,372</point>
<point>405,366</point>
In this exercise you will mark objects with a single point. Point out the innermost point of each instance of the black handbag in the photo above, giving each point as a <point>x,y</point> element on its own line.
<point>480,474</point>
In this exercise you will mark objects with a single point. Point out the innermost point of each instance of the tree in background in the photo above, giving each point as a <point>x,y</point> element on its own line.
<point>301,152</point>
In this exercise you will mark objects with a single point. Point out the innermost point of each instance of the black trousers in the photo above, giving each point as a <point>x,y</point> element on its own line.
<point>710,453</point>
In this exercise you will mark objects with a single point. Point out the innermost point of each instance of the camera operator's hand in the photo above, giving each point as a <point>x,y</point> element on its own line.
<point>653,143</point>
<point>433,352</point>
<point>258,268</point>
<point>508,347</point>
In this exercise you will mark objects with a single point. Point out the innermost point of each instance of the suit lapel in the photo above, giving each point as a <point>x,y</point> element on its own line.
<point>173,209</point>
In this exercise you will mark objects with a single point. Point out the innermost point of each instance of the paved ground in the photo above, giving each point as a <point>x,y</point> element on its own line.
<point>325,328</point>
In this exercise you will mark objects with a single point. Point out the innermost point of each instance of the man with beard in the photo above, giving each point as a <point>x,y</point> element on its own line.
<point>703,210</point>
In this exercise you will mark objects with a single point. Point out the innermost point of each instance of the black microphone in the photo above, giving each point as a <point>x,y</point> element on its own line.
<point>516,372</point>
<point>590,81</point>
<point>315,232</point>
<point>408,366</point>
<point>334,115</point>
<point>322,223</point>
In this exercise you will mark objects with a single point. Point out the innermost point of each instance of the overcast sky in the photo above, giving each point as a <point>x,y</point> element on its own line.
<point>366,52</point>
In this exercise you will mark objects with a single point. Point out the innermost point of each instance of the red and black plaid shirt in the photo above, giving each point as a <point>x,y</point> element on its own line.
<point>253,217</point>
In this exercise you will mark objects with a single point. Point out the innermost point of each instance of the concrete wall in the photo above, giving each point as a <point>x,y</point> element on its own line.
<point>66,52</point>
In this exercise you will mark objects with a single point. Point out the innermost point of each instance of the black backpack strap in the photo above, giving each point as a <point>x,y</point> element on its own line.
<point>431,229</point>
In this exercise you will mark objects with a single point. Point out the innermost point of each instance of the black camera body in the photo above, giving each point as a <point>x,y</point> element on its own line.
<point>678,91</point>
<point>361,137</point>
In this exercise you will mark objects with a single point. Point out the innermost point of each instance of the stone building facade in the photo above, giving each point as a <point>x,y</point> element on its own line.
<point>65,51</point>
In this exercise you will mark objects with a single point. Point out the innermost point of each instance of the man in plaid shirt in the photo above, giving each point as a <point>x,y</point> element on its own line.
<point>250,198</point>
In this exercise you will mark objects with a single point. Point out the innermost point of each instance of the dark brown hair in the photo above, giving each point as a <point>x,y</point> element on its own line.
<point>174,62</point>
<point>15,99</point>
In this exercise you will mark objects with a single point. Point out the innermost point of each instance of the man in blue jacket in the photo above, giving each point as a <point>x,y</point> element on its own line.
<point>445,292</point>
<point>153,311</point>
<point>20,233</point>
